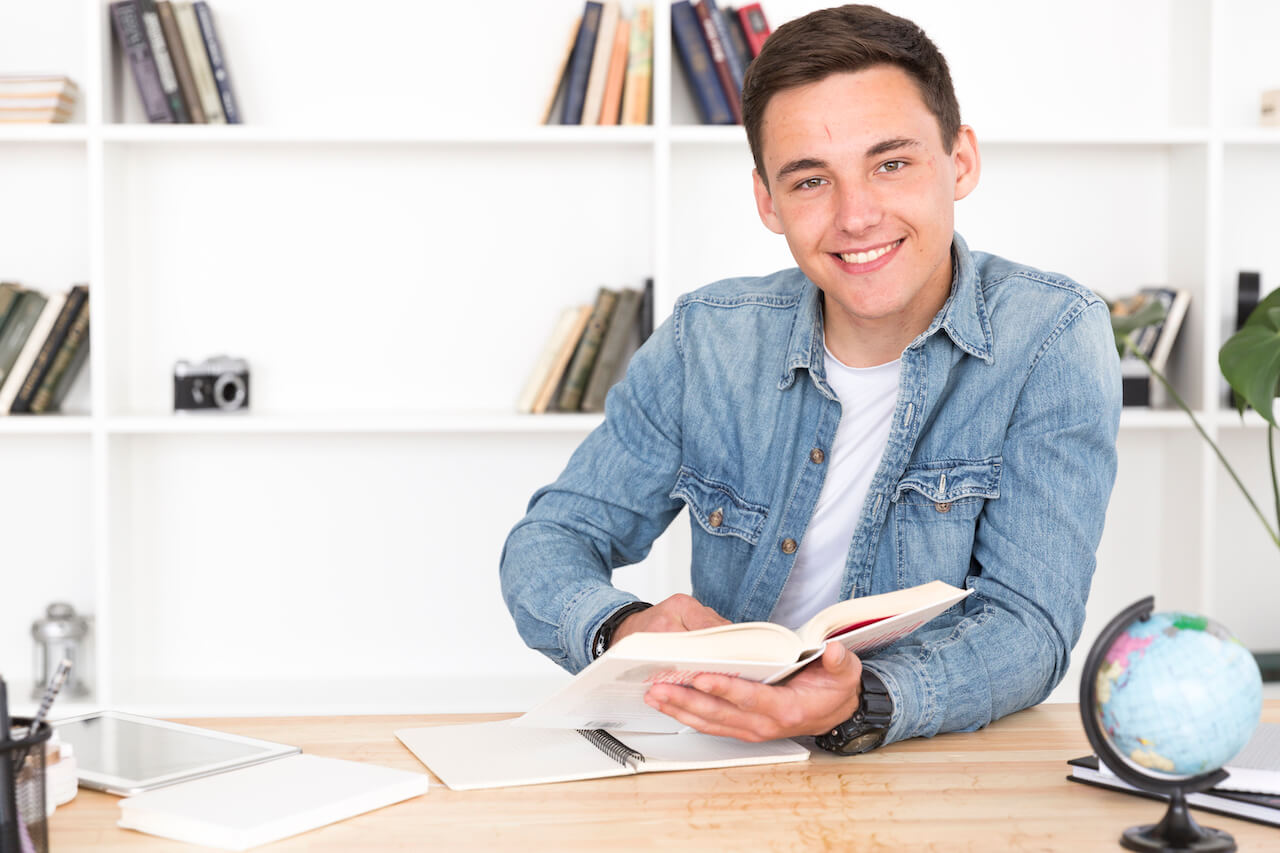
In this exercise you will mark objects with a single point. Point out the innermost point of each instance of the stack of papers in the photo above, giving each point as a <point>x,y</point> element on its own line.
<point>37,98</point>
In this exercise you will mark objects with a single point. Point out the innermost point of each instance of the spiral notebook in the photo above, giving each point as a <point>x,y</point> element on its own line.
<point>500,755</point>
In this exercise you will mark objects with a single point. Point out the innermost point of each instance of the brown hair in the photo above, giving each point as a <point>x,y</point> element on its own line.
<point>846,39</point>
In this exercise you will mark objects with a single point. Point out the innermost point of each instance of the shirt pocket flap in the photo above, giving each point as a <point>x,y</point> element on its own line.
<point>946,482</point>
<point>717,507</point>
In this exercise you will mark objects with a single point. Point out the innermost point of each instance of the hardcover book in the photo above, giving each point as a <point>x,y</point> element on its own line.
<point>568,346</point>
<point>53,341</point>
<point>615,348</point>
<point>150,16</point>
<point>719,50</point>
<point>754,26</point>
<point>501,755</point>
<point>65,360</point>
<point>221,76</point>
<point>137,50</point>
<point>562,75</point>
<point>201,71</point>
<point>609,693</point>
<point>699,71</point>
<point>181,64</point>
<point>636,93</point>
<point>593,98</point>
<point>584,357</point>
<point>30,349</point>
<point>611,103</point>
<point>580,63</point>
<point>22,319</point>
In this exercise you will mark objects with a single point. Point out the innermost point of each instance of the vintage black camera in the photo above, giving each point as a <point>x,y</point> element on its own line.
<point>220,383</point>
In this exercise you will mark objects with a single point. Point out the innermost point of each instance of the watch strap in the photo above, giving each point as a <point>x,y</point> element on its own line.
<point>604,636</point>
<point>867,728</point>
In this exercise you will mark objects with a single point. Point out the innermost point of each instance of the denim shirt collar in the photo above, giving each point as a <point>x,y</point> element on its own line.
<point>963,317</point>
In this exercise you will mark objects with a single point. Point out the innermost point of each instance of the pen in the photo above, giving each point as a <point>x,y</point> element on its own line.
<point>50,693</point>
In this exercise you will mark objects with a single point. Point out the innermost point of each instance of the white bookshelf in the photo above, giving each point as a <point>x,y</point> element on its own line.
<point>388,240</point>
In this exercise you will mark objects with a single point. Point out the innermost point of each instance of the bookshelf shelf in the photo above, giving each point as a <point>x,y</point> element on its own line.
<point>388,241</point>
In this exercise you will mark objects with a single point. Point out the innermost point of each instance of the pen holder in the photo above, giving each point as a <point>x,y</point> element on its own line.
<point>24,823</point>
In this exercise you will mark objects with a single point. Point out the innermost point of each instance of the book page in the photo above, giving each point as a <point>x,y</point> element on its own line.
<point>741,641</point>
<point>609,694</point>
<point>875,621</point>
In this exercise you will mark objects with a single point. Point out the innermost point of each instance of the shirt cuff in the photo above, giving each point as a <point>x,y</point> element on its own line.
<point>583,617</point>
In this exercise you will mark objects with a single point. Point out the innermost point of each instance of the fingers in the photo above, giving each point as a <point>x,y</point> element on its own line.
<point>677,613</point>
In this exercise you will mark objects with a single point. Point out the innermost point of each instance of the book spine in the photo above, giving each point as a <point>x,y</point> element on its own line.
<point>636,93</point>
<point>77,337</point>
<point>164,62</point>
<point>25,314</point>
<point>737,38</point>
<point>133,42</point>
<point>27,355</point>
<point>221,76</point>
<point>613,350</point>
<point>644,317</point>
<point>561,72</point>
<point>720,59</point>
<point>599,73</point>
<point>754,26</point>
<point>181,65</point>
<point>201,72</point>
<point>696,60</point>
<point>64,385</point>
<point>8,299</point>
<point>580,63</point>
<point>611,103</point>
<point>737,68</point>
<point>48,350</point>
<point>584,358</point>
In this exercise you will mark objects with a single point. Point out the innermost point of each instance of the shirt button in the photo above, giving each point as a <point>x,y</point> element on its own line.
<point>943,506</point>
<point>816,456</point>
<point>788,545</point>
<point>716,518</point>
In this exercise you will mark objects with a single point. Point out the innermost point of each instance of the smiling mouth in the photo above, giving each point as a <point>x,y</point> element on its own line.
<point>868,257</point>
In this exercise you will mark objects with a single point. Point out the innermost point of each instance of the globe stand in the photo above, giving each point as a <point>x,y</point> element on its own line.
<point>1177,831</point>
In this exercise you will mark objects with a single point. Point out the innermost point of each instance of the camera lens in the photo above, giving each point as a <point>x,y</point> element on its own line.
<point>229,391</point>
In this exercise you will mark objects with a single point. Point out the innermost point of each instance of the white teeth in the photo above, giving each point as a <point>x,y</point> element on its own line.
<point>867,257</point>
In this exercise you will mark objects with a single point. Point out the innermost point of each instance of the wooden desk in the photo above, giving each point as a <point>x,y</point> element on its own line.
<point>1002,788</point>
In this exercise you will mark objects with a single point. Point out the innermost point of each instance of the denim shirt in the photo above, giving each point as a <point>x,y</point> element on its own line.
<point>1000,462</point>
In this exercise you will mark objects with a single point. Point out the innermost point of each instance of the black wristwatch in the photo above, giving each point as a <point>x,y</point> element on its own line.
<point>605,635</point>
<point>865,730</point>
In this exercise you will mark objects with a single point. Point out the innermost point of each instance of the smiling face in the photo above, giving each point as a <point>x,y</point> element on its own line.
<point>862,187</point>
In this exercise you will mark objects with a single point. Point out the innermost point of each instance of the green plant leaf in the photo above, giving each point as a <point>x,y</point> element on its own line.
<point>1122,325</point>
<point>1250,359</point>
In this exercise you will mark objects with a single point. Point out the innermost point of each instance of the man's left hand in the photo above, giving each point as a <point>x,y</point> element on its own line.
<point>813,701</point>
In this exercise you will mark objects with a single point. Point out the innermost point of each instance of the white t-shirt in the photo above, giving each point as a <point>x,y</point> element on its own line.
<point>867,396</point>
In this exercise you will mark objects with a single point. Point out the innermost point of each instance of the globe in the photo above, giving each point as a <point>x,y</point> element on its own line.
<point>1167,699</point>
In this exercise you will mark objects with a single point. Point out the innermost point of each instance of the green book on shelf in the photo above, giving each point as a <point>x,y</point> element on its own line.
<point>614,350</point>
<point>22,318</point>
<point>584,357</point>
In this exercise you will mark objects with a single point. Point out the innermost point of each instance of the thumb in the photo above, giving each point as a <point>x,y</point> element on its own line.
<point>834,657</point>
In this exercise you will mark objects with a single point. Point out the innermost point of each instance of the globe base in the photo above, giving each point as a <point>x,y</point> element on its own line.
<point>1178,831</point>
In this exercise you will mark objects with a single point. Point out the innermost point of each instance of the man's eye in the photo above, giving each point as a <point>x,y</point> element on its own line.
<point>893,166</point>
<point>810,183</point>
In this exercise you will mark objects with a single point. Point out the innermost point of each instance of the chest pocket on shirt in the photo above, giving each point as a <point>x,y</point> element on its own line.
<point>717,508</point>
<point>936,508</point>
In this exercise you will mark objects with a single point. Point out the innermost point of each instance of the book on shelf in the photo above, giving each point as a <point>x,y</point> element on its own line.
<point>708,11</point>
<point>611,101</point>
<point>644,320</point>
<point>500,755</point>
<point>755,27</point>
<point>562,75</point>
<point>9,293</point>
<point>716,48</point>
<point>699,70</point>
<point>609,693</point>
<point>1155,342</point>
<point>217,62</point>
<point>737,38</point>
<point>66,362</point>
<point>637,90</point>
<point>580,63</point>
<point>584,357</point>
<point>564,326</point>
<point>598,73</point>
<point>21,319</point>
<point>73,302</point>
<point>1257,807</point>
<point>181,62</point>
<point>37,98</point>
<point>150,17</point>
<point>30,349</point>
<point>201,71</point>
<point>136,48</point>
<point>566,345</point>
<point>615,349</point>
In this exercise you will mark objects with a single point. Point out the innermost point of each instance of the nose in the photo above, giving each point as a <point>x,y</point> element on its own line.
<point>858,208</point>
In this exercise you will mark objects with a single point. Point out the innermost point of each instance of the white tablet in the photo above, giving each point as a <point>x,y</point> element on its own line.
<point>126,754</point>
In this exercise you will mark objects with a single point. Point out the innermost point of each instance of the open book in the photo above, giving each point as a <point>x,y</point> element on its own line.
<point>609,694</point>
<point>499,755</point>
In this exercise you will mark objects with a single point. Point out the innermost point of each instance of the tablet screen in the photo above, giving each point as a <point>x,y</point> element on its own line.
<point>127,754</point>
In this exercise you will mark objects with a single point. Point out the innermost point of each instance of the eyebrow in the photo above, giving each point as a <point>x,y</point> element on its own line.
<point>882,147</point>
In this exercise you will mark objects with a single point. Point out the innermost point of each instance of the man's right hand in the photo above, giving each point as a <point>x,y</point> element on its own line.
<point>677,613</point>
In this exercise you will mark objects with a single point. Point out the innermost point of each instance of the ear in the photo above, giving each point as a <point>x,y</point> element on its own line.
<point>764,204</point>
<point>966,160</point>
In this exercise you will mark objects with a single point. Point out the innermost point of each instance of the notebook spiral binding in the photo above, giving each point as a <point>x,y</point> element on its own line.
<point>611,746</point>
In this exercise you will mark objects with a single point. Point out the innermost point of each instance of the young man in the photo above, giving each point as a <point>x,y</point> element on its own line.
<point>896,410</point>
